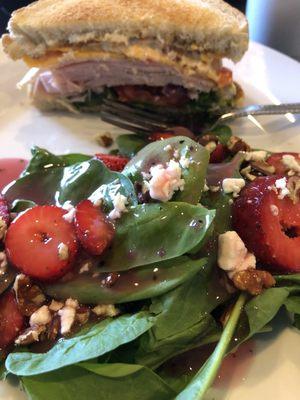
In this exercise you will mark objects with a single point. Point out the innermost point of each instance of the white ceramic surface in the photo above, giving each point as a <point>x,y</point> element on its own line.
<point>270,368</point>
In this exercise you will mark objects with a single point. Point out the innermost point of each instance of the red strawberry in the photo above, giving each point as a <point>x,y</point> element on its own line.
<point>160,136</point>
<point>114,163</point>
<point>94,231</point>
<point>4,211</point>
<point>270,227</point>
<point>219,154</point>
<point>276,161</point>
<point>11,320</point>
<point>41,243</point>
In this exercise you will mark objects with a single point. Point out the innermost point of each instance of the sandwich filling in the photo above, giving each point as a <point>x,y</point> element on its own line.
<point>77,78</point>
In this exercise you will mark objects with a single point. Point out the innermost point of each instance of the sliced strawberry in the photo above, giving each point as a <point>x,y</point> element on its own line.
<point>114,163</point>
<point>41,243</point>
<point>4,211</point>
<point>219,154</point>
<point>275,160</point>
<point>269,226</point>
<point>94,231</point>
<point>160,136</point>
<point>11,320</point>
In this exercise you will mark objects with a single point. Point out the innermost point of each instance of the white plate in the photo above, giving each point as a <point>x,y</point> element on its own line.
<point>269,368</point>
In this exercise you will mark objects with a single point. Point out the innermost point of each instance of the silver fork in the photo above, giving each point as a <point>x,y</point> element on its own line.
<point>145,121</point>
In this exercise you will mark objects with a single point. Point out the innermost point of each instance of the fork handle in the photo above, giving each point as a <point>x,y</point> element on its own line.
<point>268,109</point>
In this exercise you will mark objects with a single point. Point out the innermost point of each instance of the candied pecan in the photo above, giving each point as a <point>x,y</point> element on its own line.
<point>54,328</point>
<point>253,281</point>
<point>82,315</point>
<point>263,167</point>
<point>29,296</point>
<point>30,335</point>
<point>236,144</point>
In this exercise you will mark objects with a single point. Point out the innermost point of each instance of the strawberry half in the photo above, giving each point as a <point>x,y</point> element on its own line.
<point>11,320</point>
<point>94,231</point>
<point>276,161</point>
<point>114,163</point>
<point>269,226</point>
<point>41,243</point>
<point>4,211</point>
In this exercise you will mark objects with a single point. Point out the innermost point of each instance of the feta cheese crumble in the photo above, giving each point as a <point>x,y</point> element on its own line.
<point>69,217</point>
<point>233,185</point>
<point>184,162</point>
<point>42,316</point>
<point>63,251</point>
<point>274,210</point>
<point>119,202</point>
<point>281,185</point>
<point>233,255</point>
<point>165,181</point>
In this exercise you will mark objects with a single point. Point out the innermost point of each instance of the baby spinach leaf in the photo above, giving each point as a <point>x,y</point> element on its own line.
<point>98,381</point>
<point>223,133</point>
<point>43,159</point>
<point>89,343</point>
<point>150,233</point>
<point>75,183</point>
<point>205,377</point>
<point>135,284</point>
<point>155,153</point>
<point>192,302</point>
<point>129,145</point>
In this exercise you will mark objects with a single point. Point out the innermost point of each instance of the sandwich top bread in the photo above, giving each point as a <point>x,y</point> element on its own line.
<point>190,25</point>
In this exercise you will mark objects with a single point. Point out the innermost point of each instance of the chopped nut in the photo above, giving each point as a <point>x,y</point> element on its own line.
<point>246,172</point>
<point>105,310</point>
<point>82,315</point>
<point>42,316</point>
<point>55,305</point>
<point>3,262</point>
<point>29,296</point>
<point>293,186</point>
<point>54,328</point>
<point>85,267</point>
<point>258,155</point>
<point>3,228</point>
<point>104,139</point>
<point>30,335</point>
<point>63,251</point>
<point>263,167</point>
<point>236,144</point>
<point>67,316</point>
<point>253,281</point>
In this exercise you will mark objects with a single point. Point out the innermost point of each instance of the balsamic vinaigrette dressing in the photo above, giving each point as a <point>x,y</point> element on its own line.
<point>10,169</point>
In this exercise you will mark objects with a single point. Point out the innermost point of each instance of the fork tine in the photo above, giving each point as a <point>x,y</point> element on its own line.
<point>114,120</point>
<point>131,117</point>
<point>155,116</point>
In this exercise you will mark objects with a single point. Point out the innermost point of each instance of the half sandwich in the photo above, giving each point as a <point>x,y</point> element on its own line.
<point>161,54</point>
